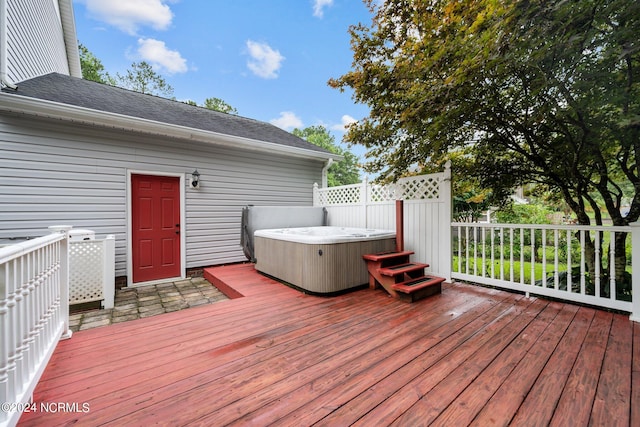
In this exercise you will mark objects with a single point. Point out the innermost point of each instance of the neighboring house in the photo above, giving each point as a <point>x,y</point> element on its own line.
<point>37,37</point>
<point>119,162</point>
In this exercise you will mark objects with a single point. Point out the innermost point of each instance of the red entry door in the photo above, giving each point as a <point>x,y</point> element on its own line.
<point>155,227</point>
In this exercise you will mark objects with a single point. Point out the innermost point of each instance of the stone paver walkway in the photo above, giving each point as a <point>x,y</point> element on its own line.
<point>145,301</point>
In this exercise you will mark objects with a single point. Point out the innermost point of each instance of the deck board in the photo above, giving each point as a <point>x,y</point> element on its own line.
<point>513,390</point>
<point>470,355</point>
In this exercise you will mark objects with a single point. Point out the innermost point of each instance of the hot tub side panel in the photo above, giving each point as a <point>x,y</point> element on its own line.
<point>279,258</point>
<point>318,268</point>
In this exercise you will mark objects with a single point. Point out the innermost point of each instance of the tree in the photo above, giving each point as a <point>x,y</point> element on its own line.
<point>345,171</point>
<point>141,77</point>
<point>92,68</point>
<point>217,104</point>
<point>544,92</point>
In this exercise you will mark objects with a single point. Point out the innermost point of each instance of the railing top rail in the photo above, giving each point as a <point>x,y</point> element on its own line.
<point>8,253</point>
<point>622,229</point>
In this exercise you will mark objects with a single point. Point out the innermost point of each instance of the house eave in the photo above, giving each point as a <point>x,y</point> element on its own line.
<point>17,104</point>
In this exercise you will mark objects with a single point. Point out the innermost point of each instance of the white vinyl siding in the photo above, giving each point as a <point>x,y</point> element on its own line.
<point>35,42</point>
<point>53,173</point>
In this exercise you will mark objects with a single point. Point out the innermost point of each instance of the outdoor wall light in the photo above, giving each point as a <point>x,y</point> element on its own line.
<point>195,179</point>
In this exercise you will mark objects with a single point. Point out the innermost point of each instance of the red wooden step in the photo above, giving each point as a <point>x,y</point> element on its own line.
<point>416,289</point>
<point>397,270</point>
<point>383,256</point>
<point>414,285</point>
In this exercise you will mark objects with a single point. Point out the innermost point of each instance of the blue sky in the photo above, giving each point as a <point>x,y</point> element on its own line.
<point>270,59</point>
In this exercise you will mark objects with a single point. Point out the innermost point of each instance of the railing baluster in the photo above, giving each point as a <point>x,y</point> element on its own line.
<point>556,277</point>
<point>569,269</point>
<point>22,361</point>
<point>501,253</point>
<point>493,267</point>
<point>522,256</point>
<point>467,248</point>
<point>511,261</point>
<point>475,251</point>
<point>533,256</point>
<point>459,249</point>
<point>612,266</point>
<point>13,382</point>
<point>4,338</point>
<point>544,257</point>
<point>582,263</point>
<point>597,264</point>
<point>484,248</point>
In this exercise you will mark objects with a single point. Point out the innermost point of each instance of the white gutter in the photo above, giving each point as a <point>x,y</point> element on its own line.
<point>325,173</point>
<point>4,78</point>
<point>70,38</point>
<point>55,110</point>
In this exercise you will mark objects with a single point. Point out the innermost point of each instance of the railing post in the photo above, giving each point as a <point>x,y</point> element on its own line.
<point>399,225</point>
<point>5,392</point>
<point>108,273</point>
<point>364,200</point>
<point>635,272</point>
<point>445,198</point>
<point>64,278</point>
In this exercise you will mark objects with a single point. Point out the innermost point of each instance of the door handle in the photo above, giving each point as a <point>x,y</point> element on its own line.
<point>177,231</point>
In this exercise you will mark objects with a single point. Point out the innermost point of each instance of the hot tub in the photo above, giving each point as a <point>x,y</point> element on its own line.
<point>319,260</point>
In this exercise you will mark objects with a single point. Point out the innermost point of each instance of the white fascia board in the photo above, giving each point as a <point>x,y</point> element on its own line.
<point>70,37</point>
<point>71,113</point>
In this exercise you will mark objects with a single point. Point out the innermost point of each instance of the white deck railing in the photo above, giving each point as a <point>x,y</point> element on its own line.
<point>34,315</point>
<point>547,260</point>
<point>559,261</point>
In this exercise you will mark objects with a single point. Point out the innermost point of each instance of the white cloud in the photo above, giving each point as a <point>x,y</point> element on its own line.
<point>287,120</point>
<point>128,15</point>
<point>319,5</point>
<point>157,54</point>
<point>345,121</point>
<point>265,61</point>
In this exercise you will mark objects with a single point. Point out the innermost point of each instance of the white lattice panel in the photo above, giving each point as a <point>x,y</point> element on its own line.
<point>382,193</point>
<point>347,194</point>
<point>86,260</point>
<point>425,187</point>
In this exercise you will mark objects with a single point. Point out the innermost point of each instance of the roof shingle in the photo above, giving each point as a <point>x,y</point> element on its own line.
<point>101,97</point>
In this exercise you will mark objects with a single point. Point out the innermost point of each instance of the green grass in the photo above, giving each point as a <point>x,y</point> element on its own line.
<point>537,269</point>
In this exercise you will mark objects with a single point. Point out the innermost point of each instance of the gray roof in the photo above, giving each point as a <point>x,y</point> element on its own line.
<point>101,97</point>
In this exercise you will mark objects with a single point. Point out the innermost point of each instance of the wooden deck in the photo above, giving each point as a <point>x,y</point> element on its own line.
<point>470,356</point>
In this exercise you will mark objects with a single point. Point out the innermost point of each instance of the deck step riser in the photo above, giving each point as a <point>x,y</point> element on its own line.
<point>413,269</point>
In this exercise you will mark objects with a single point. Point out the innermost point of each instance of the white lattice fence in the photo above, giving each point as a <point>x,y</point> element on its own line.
<point>427,213</point>
<point>381,193</point>
<point>422,187</point>
<point>343,195</point>
<point>92,271</point>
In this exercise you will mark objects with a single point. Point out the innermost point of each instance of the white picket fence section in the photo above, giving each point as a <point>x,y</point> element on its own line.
<point>92,271</point>
<point>427,205</point>
<point>34,315</point>
<point>549,260</point>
